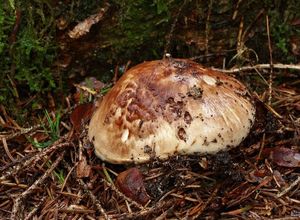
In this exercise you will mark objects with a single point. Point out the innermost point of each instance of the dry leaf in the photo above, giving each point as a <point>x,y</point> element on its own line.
<point>257,175</point>
<point>84,27</point>
<point>279,178</point>
<point>83,169</point>
<point>89,86</point>
<point>295,22</point>
<point>131,183</point>
<point>81,114</point>
<point>284,157</point>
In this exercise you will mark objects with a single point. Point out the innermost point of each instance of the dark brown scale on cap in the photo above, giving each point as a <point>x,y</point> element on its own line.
<point>181,134</point>
<point>187,118</point>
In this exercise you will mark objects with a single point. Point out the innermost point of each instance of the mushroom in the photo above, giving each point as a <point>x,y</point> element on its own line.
<point>170,107</point>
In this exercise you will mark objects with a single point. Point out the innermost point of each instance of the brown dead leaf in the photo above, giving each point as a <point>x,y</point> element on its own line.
<point>295,45</point>
<point>89,86</point>
<point>257,175</point>
<point>295,22</point>
<point>83,169</point>
<point>284,156</point>
<point>131,183</point>
<point>279,178</point>
<point>81,114</point>
<point>297,106</point>
<point>84,27</point>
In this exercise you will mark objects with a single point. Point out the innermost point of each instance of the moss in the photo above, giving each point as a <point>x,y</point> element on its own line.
<point>141,27</point>
<point>281,14</point>
<point>27,51</point>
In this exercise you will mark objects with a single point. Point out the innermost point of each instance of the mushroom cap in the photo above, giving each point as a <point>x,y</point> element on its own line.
<point>167,107</point>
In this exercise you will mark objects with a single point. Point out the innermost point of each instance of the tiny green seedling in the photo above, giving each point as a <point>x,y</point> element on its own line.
<point>52,130</point>
<point>53,126</point>
<point>60,176</point>
<point>105,90</point>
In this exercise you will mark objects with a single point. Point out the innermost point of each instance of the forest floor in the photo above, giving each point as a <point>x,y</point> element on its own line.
<point>50,171</point>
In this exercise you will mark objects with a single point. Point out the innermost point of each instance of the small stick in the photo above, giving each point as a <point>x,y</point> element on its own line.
<point>14,134</point>
<point>286,190</point>
<point>262,145</point>
<point>95,201</point>
<point>116,73</point>
<point>211,197</point>
<point>7,150</point>
<point>119,193</point>
<point>67,177</point>
<point>170,35</point>
<point>13,35</point>
<point>17,211</point>
<point>85,89</point>
<point>32,161</point>
<point>223,53</point>
<point>207,29</point>
<point>127,65</point>
<point>259,66</point>
<point>187,198</point>
<point>271,61</point>
<point>8,118</point>
<point>11,164</point>
<point>238,211</point>
<point>17,185</point>
<point>77,211</point>
<point>264,182</point>
<point>250,27</point>
<point>142,214</point>
<point>35,209</point>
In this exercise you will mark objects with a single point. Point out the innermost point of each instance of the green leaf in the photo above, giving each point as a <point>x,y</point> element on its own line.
<point>12,4</point>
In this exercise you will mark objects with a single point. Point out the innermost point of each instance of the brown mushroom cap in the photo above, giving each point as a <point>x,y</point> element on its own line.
<point>171,106</point>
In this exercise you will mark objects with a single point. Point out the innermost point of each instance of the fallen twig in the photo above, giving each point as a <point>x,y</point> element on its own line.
<point>75,210</point>
<point>17,211</point>
<point>119,193</point>
<point>211,197</point>
<point>95,201</point>
<point>35,209</point>
<point>259,66</point>
<point>286,190</point>
<point>271,61</point>
<point>207,26</point>
<point>32,160</point>
<point>170,34</point>
<point>254,189</point>
<point>14,134</point>
<point>142,214</point>
<point>7,150</point>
